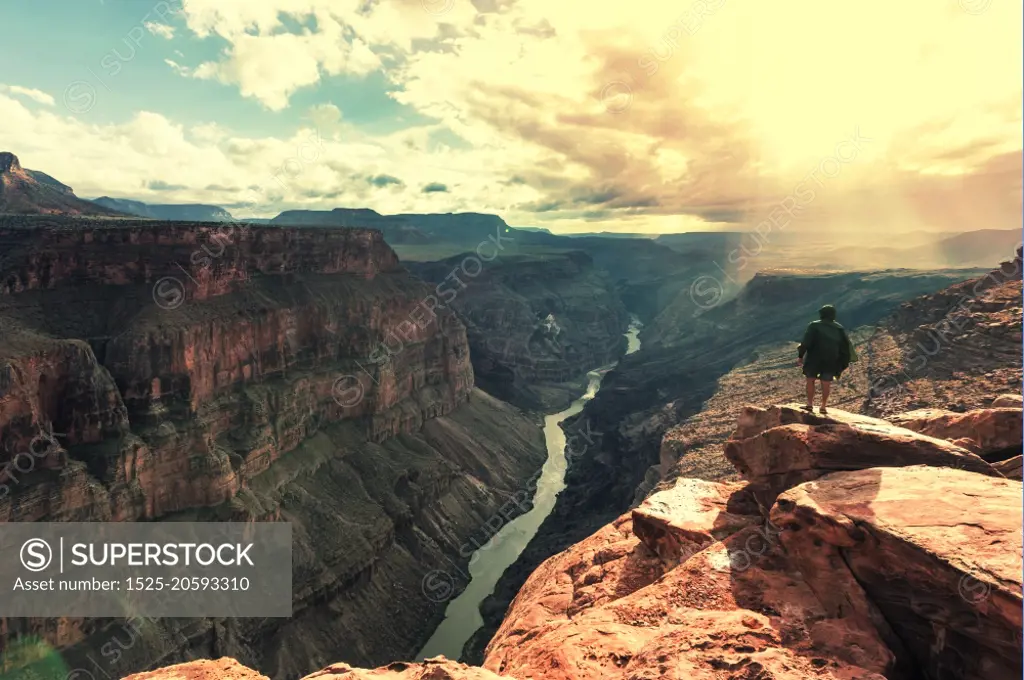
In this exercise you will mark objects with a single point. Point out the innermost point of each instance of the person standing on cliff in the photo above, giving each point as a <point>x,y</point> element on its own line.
<point>826,351</point>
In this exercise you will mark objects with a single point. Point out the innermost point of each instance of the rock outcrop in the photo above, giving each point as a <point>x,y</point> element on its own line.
<point>1010,468</point>
<point>690,515</point>
<point>30,192</point>
<point>865,573</point>
<point>784,445</point>
<point>992,433</point>
<point>283,378</point>
<point>885,572</point>
<point>180,212</point>
<point>1012,400</point>
<point>207,669</point>
<point>229,669</point>
<point>431,669</point>
<point>937,550</point>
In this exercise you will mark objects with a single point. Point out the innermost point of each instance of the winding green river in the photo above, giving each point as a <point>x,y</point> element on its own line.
<point>462,617</point>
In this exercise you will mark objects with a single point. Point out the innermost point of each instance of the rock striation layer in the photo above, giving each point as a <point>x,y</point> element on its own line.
<point>536,323</point>
<point>275,376</point>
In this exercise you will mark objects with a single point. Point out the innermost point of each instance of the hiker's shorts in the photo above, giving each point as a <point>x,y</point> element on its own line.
<point>824,376</point>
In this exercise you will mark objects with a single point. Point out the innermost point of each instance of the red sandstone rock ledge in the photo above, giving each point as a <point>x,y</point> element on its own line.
<point>886,554</point>
<point>438,668</point>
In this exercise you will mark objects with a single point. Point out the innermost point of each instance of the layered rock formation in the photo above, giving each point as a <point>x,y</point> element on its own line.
<point>30,192</point>
<point>184,212</point>
<point>784,445</point>
<point>536,324</point>
<point>465,229</point>
<point>162,371</point>
<point>957,349</point>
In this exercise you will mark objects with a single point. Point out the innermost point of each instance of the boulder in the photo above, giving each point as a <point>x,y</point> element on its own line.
<point>937,550</point>
<point>786,455</point>
<point>438,668</point>
<point>995,431</point>
<point>225,668</point>
<point>605,566</point>
<point>1008,401</point>
<point>1011,468</point>
<point>679,521</point>
<point>736,609</point>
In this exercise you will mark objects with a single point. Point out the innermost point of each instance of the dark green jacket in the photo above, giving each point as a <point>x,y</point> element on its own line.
<point>827,348</point>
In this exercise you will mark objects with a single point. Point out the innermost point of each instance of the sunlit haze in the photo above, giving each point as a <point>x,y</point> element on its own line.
<point>569,115</point>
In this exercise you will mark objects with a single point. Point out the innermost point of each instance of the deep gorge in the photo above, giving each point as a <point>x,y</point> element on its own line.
<point>227,406</point>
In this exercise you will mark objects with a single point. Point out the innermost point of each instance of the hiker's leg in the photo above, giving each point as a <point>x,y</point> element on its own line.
<point>810,392</point>
<point>826,387</point>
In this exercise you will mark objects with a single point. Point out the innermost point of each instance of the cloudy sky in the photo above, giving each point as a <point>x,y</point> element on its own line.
<point>575,115</point>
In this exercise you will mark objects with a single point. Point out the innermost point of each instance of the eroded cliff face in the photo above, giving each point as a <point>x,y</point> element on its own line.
<point>31,192</point>
<point>536,323</point>
<point>158,371</point>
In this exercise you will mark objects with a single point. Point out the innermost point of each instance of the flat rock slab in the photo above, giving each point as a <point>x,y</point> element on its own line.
<point>996,432</point>
<point>788,455</point>
<point>680,521</point>
<point>754,420</point>
<point>937,550</point>
<point>797,448</point>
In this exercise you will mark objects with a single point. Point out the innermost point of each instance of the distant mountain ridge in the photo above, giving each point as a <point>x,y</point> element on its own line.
<point>184,212</point>
<point>468,229</point>
<point>30,192</point>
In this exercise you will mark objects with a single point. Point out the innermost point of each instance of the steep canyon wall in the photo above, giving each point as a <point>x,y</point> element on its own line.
<point>155,371</point>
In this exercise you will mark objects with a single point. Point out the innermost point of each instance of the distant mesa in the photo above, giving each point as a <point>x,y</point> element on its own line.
<point>184,212</point>
<point>30,192</point>
<point>467,229</point>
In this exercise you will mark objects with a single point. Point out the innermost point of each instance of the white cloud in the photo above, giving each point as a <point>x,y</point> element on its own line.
<point>715,115</point>
<point>178,68</point>
<point>346,37</point>
<point>162,30</point>
<point>28,92</point>
<point>315,169</point>
<point>271,68</point>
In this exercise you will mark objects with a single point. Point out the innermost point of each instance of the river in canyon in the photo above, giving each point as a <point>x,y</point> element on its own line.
<point>489,562</point>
